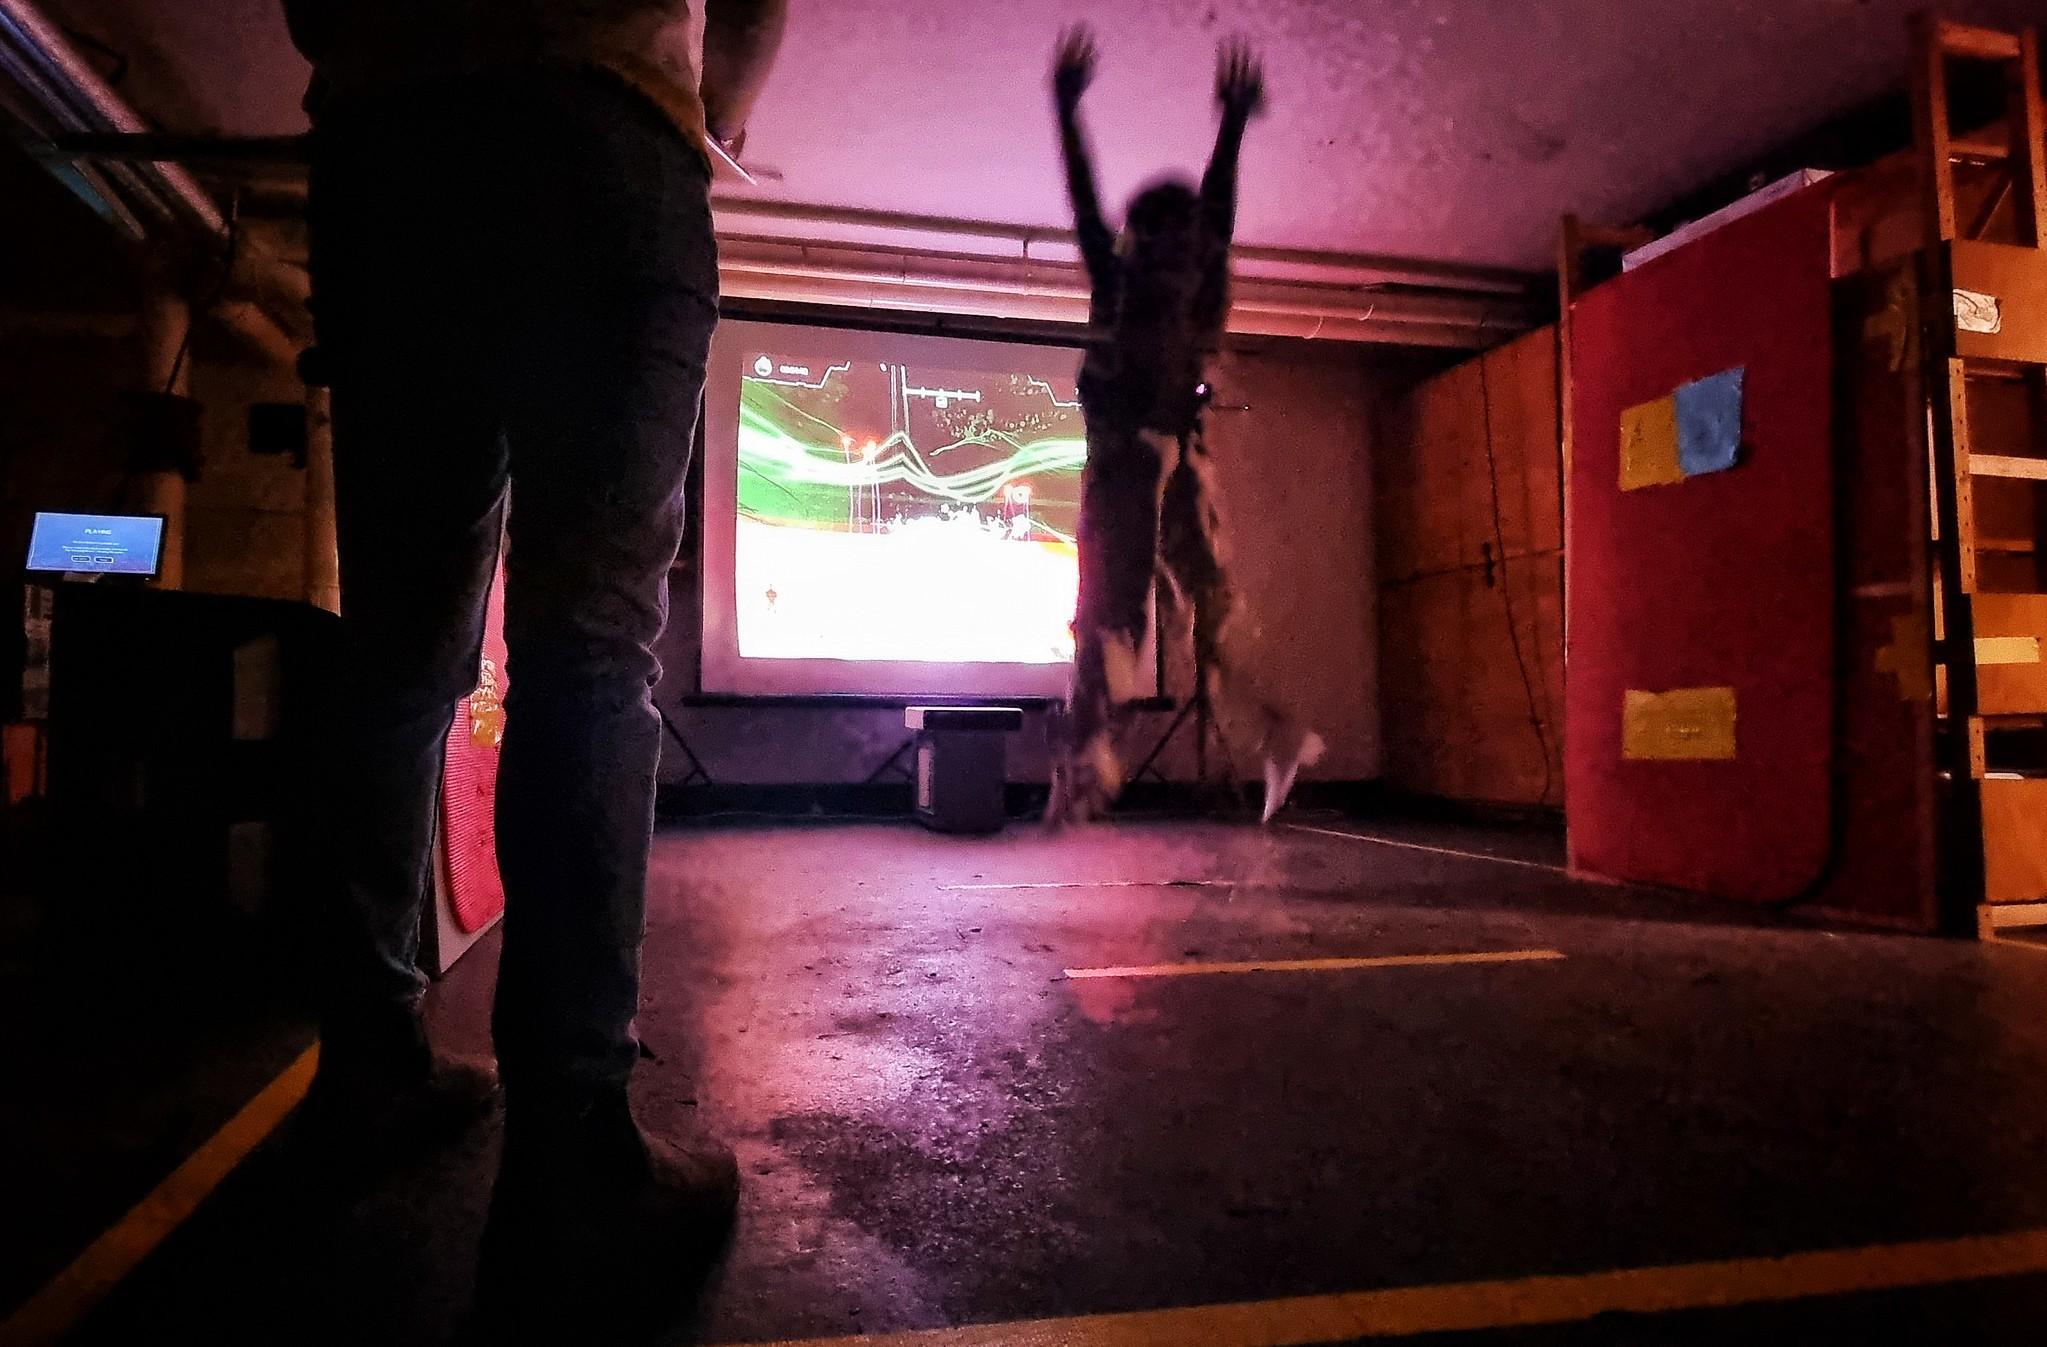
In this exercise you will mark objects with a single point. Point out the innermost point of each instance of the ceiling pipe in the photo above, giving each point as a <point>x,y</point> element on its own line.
<point>115,192</point>
<point>1366,326</point>
<point>1058,292</point>
<point>1392,322</point>
<point>1248,298</point>
<point>792,221</point>
<point>88,103</point>
<point>37,57</point>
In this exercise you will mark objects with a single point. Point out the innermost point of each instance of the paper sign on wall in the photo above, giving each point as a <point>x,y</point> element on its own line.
<point>1977,312</point>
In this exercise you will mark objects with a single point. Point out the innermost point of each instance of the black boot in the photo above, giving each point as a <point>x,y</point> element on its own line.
<point>381,1100</point>
<point>593,1222</point>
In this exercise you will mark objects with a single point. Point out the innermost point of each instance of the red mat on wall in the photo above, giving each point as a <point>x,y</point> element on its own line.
<point>475,892</point>
<point>1724,580</point>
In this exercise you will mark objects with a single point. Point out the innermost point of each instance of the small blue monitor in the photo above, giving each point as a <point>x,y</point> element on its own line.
<point>96,544</point>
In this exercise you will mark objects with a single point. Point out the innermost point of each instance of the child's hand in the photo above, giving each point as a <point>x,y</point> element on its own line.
<point>1239,80</point>
<point>1073,69</point>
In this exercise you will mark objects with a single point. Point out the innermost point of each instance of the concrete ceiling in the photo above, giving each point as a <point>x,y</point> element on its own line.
<point>1443,129</point>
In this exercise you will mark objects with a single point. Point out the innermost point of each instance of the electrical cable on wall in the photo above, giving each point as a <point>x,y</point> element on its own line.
<point>1506,579</point>
<point>227,271</point>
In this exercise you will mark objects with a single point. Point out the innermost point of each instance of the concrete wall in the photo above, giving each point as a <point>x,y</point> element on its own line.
<point>71,343</point>
<point>245,529</point>
<point>1295,468</point>
<point>1294,464</point>
<point>62,448</point>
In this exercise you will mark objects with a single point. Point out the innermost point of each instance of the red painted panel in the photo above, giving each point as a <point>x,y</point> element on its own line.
<point>1723,580</point>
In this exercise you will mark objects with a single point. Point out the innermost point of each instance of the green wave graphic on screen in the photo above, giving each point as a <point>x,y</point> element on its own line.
<point>788,476</point>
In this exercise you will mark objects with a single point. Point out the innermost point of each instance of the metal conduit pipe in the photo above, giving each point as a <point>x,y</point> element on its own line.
<point>37,56</point>
<point>1392,310</point>
<point>766,222</point>
<point>1385,324</point>
<point>93,106</point>
<point>1059,292</point>
<point>118,191</point>
<point>1026,243</point>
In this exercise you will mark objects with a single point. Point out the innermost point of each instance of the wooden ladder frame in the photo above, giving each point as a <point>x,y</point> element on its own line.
<point>1961,750</point>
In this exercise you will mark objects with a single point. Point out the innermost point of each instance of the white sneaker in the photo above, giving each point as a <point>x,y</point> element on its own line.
<point>1281,769</point>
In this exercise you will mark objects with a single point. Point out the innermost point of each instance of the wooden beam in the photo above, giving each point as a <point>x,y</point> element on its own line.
<point>1972,43</point>
<point>1998,465</point>
<point>1930,123</point>
<point>1570,280</point>
<point>2028,133</point>
<point>1974,150</point>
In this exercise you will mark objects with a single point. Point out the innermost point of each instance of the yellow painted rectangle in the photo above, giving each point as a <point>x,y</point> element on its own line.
<point>1649,445</point>
<point>2007,650</point>
<point>1682,725</point>
<point>1182,970</point>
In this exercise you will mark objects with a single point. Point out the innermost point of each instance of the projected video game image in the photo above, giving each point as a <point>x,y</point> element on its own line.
<point>901,512</point>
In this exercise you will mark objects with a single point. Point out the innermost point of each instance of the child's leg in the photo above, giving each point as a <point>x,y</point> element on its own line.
<point>1193,547</point>
<point>1118,539</point>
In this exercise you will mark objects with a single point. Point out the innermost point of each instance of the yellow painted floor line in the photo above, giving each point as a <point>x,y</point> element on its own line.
<point>1099,884</point>
<point>1433,851</point>
<point>1183,970</point>
<point>59,1307</point>
<point>1462,1307</point>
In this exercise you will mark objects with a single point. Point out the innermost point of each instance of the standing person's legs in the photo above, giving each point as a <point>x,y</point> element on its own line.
<point>602,353</point>
<point>606,372</point>
<point>420,478</point>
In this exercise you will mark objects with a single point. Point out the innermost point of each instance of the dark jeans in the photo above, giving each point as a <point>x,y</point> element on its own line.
<point>515,287</point>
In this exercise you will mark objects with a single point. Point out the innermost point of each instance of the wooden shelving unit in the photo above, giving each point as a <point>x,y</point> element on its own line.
<point>1984,359</point>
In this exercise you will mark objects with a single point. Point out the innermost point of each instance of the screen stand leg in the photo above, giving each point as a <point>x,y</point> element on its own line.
<point>894,763</point>
<point>1196,706</point>
<point>1199,709</point>
<point>696,774</point>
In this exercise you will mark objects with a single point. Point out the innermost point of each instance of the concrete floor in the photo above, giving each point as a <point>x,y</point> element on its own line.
<point>939,1127</point>
<point>124,1045</point>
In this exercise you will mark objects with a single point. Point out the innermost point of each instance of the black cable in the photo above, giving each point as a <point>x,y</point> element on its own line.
<point>227,271</point>
<point>112,53</point>
<point>1506,578</point>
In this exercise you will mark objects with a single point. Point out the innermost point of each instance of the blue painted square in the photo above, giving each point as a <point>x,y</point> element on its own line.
<point>1709,423</point>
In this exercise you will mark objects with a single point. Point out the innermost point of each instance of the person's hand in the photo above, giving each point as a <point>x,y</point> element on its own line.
<point>1073,69</point>
<point>1239,80</point>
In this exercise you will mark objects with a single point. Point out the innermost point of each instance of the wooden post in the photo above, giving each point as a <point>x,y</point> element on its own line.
<point>1929,118</point>
<point>1570,280</point>
<point>2029,139</point>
